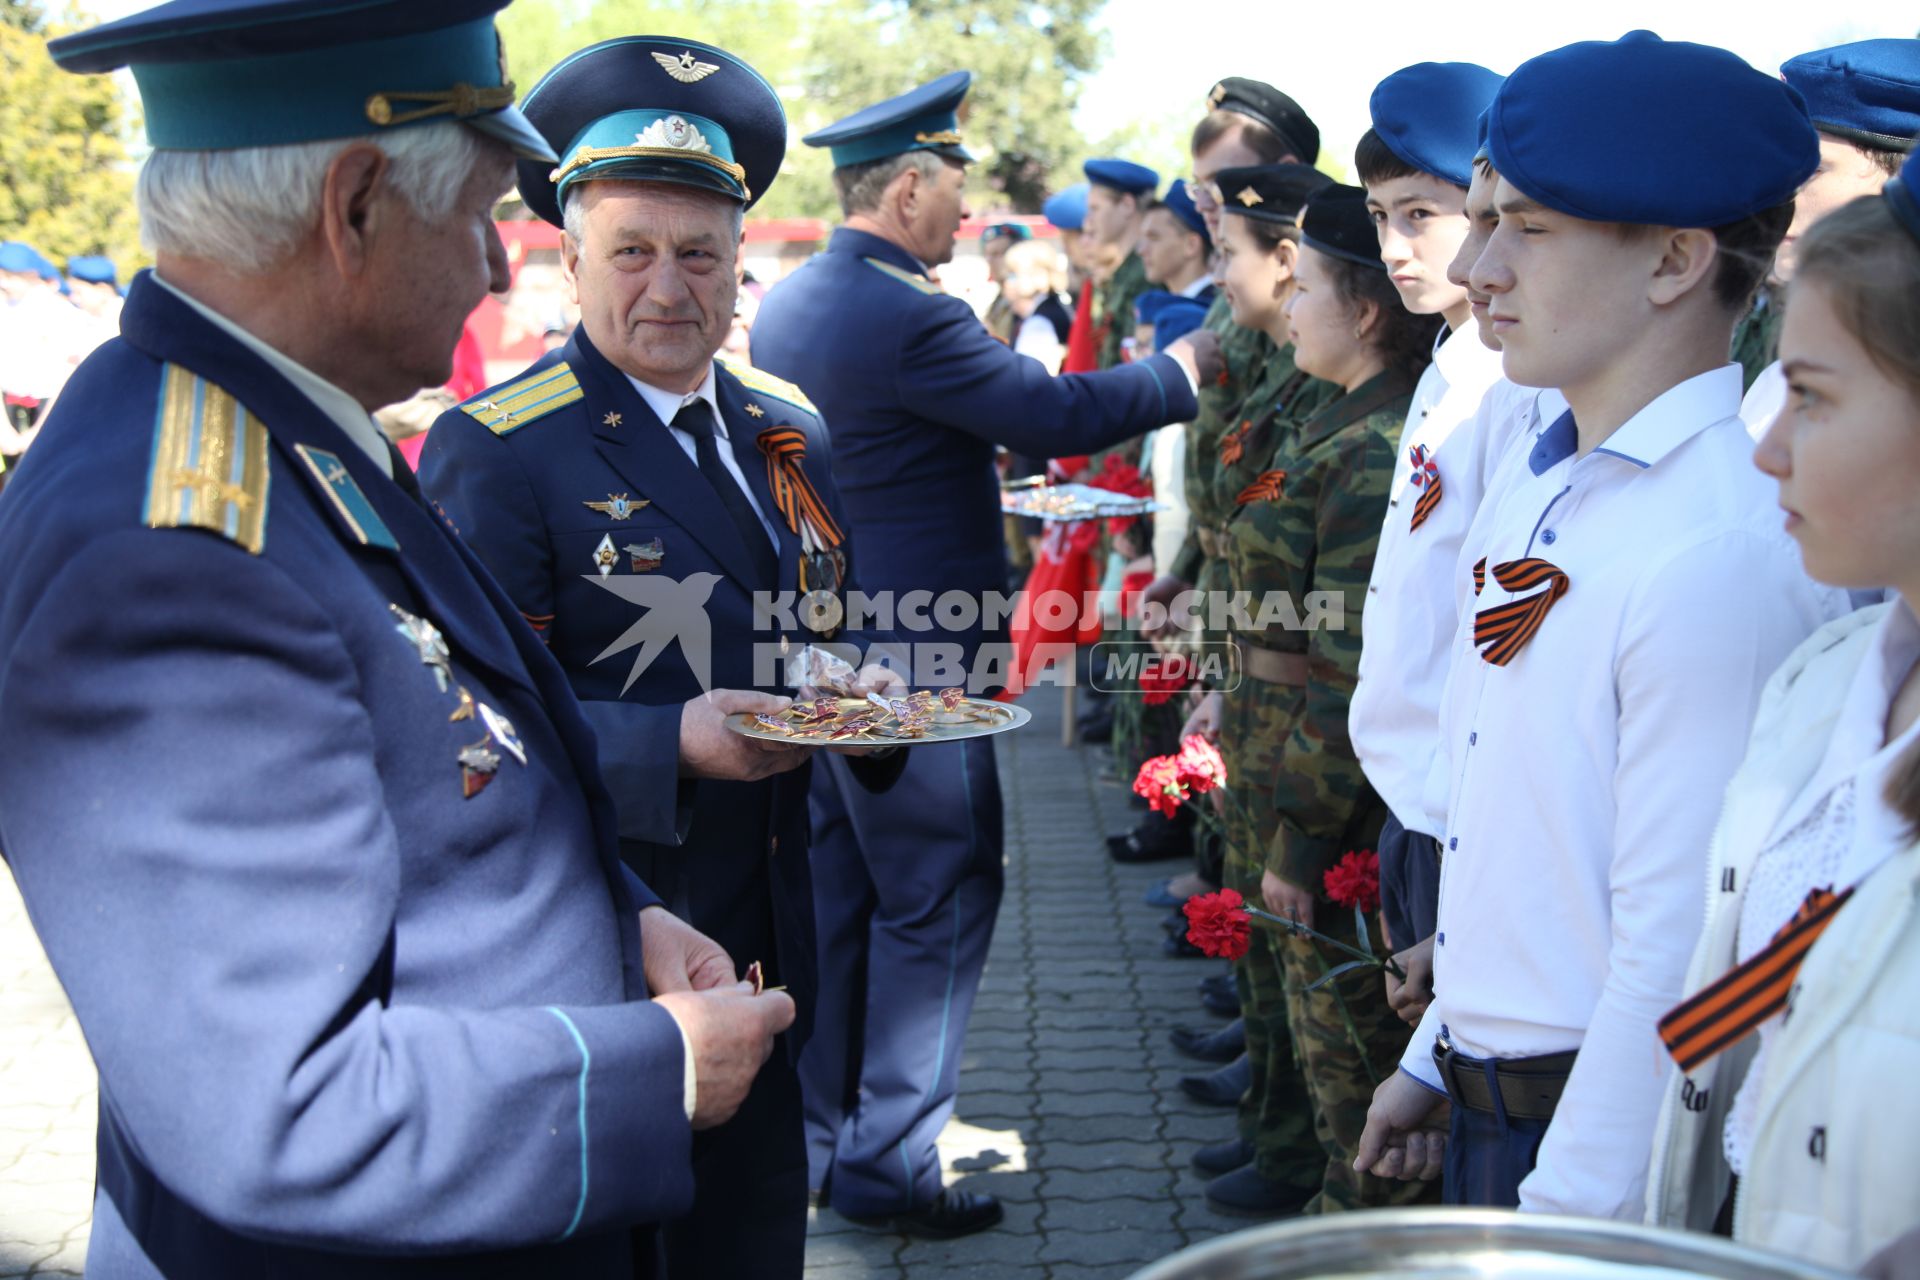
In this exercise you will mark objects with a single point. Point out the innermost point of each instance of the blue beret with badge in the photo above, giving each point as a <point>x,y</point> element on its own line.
<point>1429,115</point>
<point>220,74</point>
<point>1067,209</point>
<point>1124,176</point>
<point>92,269</point>
<point>1866,92</point>
<point>1338,223</point>
<point>1902,194</point>
<point>1650,131</point>
<point>1176,320</point>
<point>654,109</point>
<point>922,119</point>
<point>1179,202</point>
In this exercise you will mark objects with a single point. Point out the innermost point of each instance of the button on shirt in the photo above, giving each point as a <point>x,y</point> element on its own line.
<point>665,404</point>
<point>1587,772</point>
<point>1409,620</point>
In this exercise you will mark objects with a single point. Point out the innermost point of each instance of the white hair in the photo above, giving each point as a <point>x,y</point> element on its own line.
<point>248,208</point>
<point>573,218</point>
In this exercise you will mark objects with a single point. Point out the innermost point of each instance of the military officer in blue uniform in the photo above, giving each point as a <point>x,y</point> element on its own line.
<point>307,818</point>
<point>634,496</point>
<point>917,394</point>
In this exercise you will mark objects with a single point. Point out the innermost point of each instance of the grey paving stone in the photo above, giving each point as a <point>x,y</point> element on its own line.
<point>1075,1184</point>
<point>1053,1128</point>
<point>1115,1154</point>
<point>1135,1247</point>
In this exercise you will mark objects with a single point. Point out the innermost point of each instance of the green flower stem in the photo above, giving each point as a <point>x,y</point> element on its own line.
<point>1308,931</point>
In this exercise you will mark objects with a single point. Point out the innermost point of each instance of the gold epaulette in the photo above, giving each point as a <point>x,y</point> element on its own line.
<point>209,467</point>
<point>921,283</point>
<point>506,408</point>
<point>767,385</point>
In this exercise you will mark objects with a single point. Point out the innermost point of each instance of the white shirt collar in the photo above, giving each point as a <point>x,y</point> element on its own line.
<point>1201,283</point>
<point>1676,416</point>
<point>1464,359</point>
<point>667,403</point>
<point>344,411</point>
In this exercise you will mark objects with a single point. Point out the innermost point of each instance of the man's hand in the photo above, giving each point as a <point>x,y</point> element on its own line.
<point>708,749</point>
<point>1406,1133</point>
<point>882,680</point>
<point>1205,719</point>
<point>1162,591</point>
<point>1199,354</point>
<point>1410,998</point>
<point>1286,899</point>
<point>730,1031</point>
<point>678,957</point>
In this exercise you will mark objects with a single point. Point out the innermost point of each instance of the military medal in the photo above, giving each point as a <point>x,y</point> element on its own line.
<point>822,574</point>
<point>477,767</point>
<point>645,557</point>
<point>604,556</point>
<point>823,565</point>
<point>427,642</point>
<point>500,730</point>
<point>620,506</point>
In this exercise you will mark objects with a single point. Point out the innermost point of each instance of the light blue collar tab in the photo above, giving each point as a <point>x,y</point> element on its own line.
<point>1555,445</point>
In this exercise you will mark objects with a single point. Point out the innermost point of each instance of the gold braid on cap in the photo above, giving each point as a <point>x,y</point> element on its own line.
<point>594,155</point>
<point>461,101</point>
<point>946,137</point>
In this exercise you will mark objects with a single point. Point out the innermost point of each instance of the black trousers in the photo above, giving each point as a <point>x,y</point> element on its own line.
<point>749,1219</point>
<point>1409,883</point>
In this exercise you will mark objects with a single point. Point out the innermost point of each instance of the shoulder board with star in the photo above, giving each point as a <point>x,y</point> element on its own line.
<point>921,283</point>
<point>512,405</point>
<point>767,385</point>
<point>209,468</point>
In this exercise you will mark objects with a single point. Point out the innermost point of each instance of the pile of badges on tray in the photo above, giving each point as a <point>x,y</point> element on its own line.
<point>874,718</point>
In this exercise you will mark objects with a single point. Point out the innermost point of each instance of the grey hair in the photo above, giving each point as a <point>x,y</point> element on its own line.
<point>574,218</point>
<point>248,208</point>
<point>860,186</point>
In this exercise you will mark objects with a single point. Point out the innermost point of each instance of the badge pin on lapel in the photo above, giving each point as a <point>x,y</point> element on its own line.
<point>645,557</point>
<point>620,506</point>
<point>604,556</point>
<point>477,767</point>
<point>427,642</point>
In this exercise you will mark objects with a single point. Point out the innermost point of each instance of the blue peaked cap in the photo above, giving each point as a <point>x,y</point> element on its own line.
<point>1067,209</point>
<point>1866,92</point>
<point>220,74</point>
<point>1123,176</point>
<point>1429,114</point>
<point>1650,131</point>
<point>922,119</point>
<point>1179,202</point>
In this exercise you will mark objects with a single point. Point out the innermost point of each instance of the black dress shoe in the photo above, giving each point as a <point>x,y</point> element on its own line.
<point>1221,1044</point>
<point>1224,1088</point>
<point>952,1214</point>
<point>1154,840</point>
<point>1244,1193</point>
<point>1226,1005</point>
<point>1180,949</point>
<point>1221,984</point>
<point>1223,1157</point>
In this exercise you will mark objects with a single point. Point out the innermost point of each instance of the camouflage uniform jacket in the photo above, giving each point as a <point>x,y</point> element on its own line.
<point>1113,303</point>
<point>1310,522</point>
<point>1243,351</point>
<point>1757,337</point>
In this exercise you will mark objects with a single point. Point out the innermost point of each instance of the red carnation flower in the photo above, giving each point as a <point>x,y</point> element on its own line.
<point>1158,782</point>
<point>1217,923</point>
<point>1355,881</point>
<point>1202,768</point>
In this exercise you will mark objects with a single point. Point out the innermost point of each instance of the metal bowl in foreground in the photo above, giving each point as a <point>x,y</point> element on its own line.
<point>1453,1244</point>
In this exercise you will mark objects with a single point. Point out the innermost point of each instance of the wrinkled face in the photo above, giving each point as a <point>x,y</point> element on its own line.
<point>1320,322</point>
<point>1481,219</point>
<point>1844,451</point>
<point>1564,295</point>
<point>654,277</point>
<point>933,211</point>
<point>1421,221</point>
<point>1845,174</point>
<point>1168,250</point>
<point>1254,278</point>
<point>1110,217</point>
<point>433,274</point>
<point>1227,152</point>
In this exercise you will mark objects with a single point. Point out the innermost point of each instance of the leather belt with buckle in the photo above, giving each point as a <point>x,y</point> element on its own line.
<point>1530,1088</point>
<point>1272,666</point>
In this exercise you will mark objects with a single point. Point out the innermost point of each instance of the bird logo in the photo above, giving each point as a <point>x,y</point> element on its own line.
<point>685,68</point>
<point>673,611</point>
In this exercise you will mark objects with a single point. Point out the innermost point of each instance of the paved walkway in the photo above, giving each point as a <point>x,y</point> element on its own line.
<point>1069,1107</point>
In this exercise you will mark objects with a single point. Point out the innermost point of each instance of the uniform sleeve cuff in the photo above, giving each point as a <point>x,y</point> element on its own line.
<point>690,1085</point>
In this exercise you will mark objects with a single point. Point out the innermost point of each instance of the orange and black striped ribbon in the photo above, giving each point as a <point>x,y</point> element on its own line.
<point>1265,488</point>
<point>1723,1014</point>
<point>540,622</point>
<point>1502,631</point>
<point>1479,575</point>
<point>793,493</point>
<point>1425,478</point>
<point>1234,444</point>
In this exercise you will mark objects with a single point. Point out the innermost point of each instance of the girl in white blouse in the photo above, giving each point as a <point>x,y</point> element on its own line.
<point>1794,1120</point>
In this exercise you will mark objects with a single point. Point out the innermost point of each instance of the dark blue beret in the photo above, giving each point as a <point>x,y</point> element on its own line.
<point>923,119</point>
<point>1179,202</point>
<point>1867,92</point>
<point>220,74</point>
<point>1650,131</point>
<point>1176,320</point>
<point>1067,209</point>
<point>1269,192</point>
<point>1338,223</point>
<point>654,109</point>
<point>1429,115</point>
<point>1123,176</point>
<point>1148,306</point>
<point>1902,195</point>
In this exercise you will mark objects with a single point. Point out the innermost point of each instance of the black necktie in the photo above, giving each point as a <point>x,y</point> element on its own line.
<point>696,419</point>
<point>403,474</point>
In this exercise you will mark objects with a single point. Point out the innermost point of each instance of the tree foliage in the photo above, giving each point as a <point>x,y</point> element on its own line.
<point>66,182</point>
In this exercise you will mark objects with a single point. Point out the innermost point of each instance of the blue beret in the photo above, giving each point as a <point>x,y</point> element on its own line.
<point>923,119</point>
<point>1866,92</point>
<point>1179,202</point>
<point>1650,131</point>
<point>1428,115</point>
<point>654,109</point>
<point>92,269</point>
<point>1123,176</point>
<point>220,74</point>
<point>1176,320</point>
<point>18,259</point>
<point>1338,223</point>
<point>1067,209</point>
<point>1902,194</point>
<point>1147,307</point>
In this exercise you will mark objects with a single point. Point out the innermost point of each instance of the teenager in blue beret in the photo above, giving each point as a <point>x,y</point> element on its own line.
<point>1175,249</point>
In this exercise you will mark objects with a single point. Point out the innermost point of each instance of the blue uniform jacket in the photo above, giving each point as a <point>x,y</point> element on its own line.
<point>539,475</point>
<point>917,394</point>
<point>337,1005</point>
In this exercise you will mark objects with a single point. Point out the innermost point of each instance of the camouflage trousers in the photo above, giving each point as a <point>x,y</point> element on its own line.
<point>1315,1056</point>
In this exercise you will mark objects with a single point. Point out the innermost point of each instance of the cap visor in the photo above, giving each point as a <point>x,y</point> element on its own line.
<point>516,131</point>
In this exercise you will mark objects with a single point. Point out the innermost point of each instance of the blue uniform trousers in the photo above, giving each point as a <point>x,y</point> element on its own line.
<point>1489,1154</point>
<point>907,886</point>
<point>1409,883</point>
